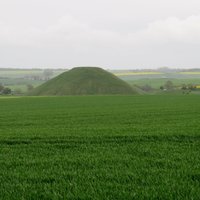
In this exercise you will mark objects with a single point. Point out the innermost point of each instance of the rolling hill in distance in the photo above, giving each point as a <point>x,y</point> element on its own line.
<point>84,81</point>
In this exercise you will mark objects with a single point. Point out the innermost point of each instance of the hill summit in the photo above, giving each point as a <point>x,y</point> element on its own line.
<point>84,81</point>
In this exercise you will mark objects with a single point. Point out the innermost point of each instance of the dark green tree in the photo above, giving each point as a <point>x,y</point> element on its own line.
<point>1,88</point>
<point>6,91</point>
<point>162,88</point>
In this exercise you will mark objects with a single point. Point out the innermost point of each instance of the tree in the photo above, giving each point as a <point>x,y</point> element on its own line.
<point>162,87</point>
<point>169,85</point>
<point>29,87</point>
<point>1,88</point>
<point>6,91</point>
<point>184,87</point>
<point>188,88</point>
<point>146,88</point>
<point>192,87</point>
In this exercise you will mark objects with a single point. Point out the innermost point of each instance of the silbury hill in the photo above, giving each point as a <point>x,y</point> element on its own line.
<point>84,81</point>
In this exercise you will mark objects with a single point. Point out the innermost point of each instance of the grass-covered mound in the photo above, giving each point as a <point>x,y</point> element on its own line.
<point>84,81</point>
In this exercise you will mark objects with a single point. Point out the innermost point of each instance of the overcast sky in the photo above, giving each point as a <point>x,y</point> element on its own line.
<point>121,34</point>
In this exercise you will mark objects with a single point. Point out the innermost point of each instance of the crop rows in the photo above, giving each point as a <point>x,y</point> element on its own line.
<point>100,147</point>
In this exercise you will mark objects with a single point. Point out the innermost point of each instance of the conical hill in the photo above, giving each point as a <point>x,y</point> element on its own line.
<point>83,81</point>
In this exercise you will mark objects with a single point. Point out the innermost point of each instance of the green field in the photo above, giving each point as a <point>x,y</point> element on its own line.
<point>18,73</point>
<point>18,79</point>
<point>100,147</point>
<point>157,82</point>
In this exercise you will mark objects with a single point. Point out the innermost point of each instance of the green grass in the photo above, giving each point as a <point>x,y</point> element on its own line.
<point>100,147</point>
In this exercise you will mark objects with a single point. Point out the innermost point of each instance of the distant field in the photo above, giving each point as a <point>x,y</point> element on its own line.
<point>15,78</point>
<point>137,73</point>
<point>15,73</point>
<point>192,73</point>
<point>100,147</point>
<point>23,87</point>
<point>157,82</point>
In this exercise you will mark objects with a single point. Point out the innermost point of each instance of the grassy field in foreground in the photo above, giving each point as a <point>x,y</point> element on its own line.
<point>100,147</point>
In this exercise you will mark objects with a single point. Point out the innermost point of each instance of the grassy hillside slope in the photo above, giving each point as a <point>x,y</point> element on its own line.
<point>83,81</point>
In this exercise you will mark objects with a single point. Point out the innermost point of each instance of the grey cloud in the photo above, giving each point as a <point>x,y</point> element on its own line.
<point>106,33</point>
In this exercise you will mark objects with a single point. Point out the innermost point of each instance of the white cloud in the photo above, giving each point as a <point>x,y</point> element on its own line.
<point>69,30</point>
<point>80,40</point>
<point>173,30</point>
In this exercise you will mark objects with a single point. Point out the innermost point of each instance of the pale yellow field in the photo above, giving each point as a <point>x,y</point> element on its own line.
<point>137,73</point>
<point>192,73</point>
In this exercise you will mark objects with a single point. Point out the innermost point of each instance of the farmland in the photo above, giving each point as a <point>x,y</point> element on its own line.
<point>100,147</point>
<point>157,82</point>
<point>18,80</point>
